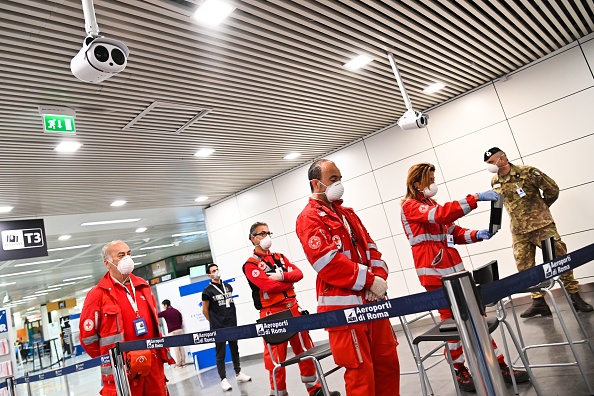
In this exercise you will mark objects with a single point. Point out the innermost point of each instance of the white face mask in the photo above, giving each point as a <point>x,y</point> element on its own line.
<point>125,265</point>
<point>430,191</point>
<point>493,168</point>
<point>334,191</point>
<point>216,275</point>
<point>266,242</point>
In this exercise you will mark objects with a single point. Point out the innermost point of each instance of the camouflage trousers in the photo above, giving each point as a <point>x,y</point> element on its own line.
<point>524,246</point>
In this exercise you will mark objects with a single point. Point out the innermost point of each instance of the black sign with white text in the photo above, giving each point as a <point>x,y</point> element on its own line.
<point>22,239</point>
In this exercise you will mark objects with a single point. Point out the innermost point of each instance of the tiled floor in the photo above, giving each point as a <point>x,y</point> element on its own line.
<point>553,381</point>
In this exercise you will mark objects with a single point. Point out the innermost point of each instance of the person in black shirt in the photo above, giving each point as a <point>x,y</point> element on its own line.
<point>219,309</point>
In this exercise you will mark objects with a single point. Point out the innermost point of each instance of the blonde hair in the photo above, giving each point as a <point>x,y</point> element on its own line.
<point>418,173</point>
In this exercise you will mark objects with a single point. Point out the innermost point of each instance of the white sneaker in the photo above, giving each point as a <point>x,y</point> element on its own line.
<point>241,377</point>
<point>225,384</point>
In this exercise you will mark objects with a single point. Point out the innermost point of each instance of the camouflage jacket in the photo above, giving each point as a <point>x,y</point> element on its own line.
<point>530,212</point>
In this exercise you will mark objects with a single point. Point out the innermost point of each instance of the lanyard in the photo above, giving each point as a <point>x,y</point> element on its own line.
<point>132,300</point>
<point>220,291</point>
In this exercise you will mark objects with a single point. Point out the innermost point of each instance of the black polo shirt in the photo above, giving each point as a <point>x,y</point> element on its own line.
<point>219,296</point>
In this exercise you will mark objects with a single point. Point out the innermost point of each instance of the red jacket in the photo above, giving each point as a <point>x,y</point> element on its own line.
<point>101,320</point>
<point>271,292</point>
<point>341,251</point>
<point>427,226</point>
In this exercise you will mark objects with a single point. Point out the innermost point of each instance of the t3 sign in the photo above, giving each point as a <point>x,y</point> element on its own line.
<point>22,239</point>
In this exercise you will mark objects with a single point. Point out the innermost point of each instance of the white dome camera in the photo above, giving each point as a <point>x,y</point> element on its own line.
<point>413,120</point>
<point>99,59</point>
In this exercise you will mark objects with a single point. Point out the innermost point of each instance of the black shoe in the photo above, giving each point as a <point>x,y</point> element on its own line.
<point>539,307</point>
<point>319,392</point>
<point>579,304</point>
<point>521,376</point>
<point>465,381</point>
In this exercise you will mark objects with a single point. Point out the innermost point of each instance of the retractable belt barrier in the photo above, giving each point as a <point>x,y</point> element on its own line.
<point>400,306</point>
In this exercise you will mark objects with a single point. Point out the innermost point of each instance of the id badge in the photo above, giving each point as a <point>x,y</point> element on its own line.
<point>520,192</point>
<point>450,240</point>
<point>140,327</point>
<point>228,303</point>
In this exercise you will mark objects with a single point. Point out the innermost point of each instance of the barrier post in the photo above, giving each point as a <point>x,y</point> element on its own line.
<point>474,335</point>
<point>119,371</point>
<point>10,386</point>
<point>29,392</point>
<point>65,376</point>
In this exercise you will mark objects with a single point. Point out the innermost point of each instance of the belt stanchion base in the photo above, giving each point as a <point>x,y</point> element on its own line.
<point>11,386</point>
<point>29,391</point>
<point>474,335</point>
<point>119,371</point>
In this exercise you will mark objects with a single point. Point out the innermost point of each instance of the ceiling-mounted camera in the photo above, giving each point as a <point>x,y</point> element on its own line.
<point>99,59</point>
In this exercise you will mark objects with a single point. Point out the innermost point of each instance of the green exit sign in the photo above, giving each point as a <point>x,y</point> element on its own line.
<point>58,123</point>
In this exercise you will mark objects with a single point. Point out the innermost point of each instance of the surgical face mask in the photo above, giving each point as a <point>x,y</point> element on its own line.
<point>494,168</point>
<point>430,191</point>
<point>334,191</point>
<point>216,275</point>
<point>125,265</point>
<point>266,242</point>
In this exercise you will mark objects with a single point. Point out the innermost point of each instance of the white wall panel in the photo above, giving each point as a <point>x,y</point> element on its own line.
<point>352,161</point>
<point>505,261</point>
<point>393,210</point>
<point>470,184</point>
<point>222,215</point>
<point>257,200</point>
<point>575,242</point>
<point>397,286</point>
<point>588,48</point>
<point>292,185</point>
<point>231,263</point>
<point>464,156</point>
<point>295,252</point>
<point>477,110</point>
<point>309,275</point>
<point>501,240</point>
<point>404,251</point>
<point>412,281</point>
<point>361,192</point>
<point>227,240</point>
<point>544,82</point>
<point>290,211</point>
<point>391,179</point>
<point>389,255</point>
<point>573,211</point>
<point>271,217</point>
<point>374,219</point>
<point>554,124</point>
<point>562,162</point>
<point>395,144</point>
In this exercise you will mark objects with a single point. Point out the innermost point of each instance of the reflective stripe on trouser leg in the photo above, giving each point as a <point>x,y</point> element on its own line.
<point>280,393</point>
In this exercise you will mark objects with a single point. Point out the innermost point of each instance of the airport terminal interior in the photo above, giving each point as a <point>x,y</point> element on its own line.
<point>174,130</point>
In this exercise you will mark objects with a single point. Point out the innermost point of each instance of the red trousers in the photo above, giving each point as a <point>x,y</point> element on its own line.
<point>279,353</point>
<point>368,353</point>
<point>455,347</point>
<point>153,384</point>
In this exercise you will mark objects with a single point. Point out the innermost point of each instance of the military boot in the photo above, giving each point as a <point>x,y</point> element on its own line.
<point>579,304</point>
<point>539,307</point>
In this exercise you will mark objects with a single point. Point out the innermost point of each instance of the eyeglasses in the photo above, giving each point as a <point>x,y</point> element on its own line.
<point>263,234</point>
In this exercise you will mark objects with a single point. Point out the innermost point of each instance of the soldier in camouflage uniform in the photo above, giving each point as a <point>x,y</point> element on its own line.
<point>531,221</point>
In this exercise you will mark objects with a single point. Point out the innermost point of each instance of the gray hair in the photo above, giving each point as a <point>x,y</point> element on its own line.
<point>255,226</point>
<point>315,171</point>
<point>104,254</point>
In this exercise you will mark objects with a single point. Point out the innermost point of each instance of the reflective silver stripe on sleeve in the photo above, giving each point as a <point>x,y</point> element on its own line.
<point>361,277</point>
<point>106,370</point>
<point>372,246</point>
<point>379,263</point>
<point>431,215</point>
<point>91,339</point>
<point>328,301</point>
<point>324,260</point>
<point>467,236</point>
<point>465,206</point>
<point>368,254</point>
<point>426,238</point>
<point>440,271</point>
<point>451,229</point>
<point>266,296</point>
<point>347,253</point>
<point>111,339</point>
<point>405,224</point>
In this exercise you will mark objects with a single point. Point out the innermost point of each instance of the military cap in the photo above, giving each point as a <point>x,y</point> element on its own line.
<point>489,153</point>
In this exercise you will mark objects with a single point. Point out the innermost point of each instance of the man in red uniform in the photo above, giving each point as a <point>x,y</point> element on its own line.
<point>122,308</point>
<point>271,277</point>
<point>350,273</point>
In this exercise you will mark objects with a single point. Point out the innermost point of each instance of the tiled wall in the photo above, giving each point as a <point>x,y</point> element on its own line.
<point>542,115</point>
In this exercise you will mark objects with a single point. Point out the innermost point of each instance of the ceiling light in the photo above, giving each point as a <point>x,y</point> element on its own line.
<point>5,209</point>
<point>20,273</point>
<point>68,248</point>
<point>205,152</point>
<point>201,198</point>
<point>78,278</point>
<point>118,203</point>
<point>434,87</point>
<point>29,298</point>
<point>64,237</point>
<point>292,156</point>
<point>138,255</point>
<point>155,247</point>
<point>67,147</point>
<point>188,233</point>
<point>38,262</point>
<point>31,309</point>
<point>61,284</point>
<point>212,12</point>
<point>48,290</point>
<point>358,62</point>
<point>41,293</point>
<point>90,223</point>
<point>141,229</point>
<point>7,283</point>
<point>6,299</point>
